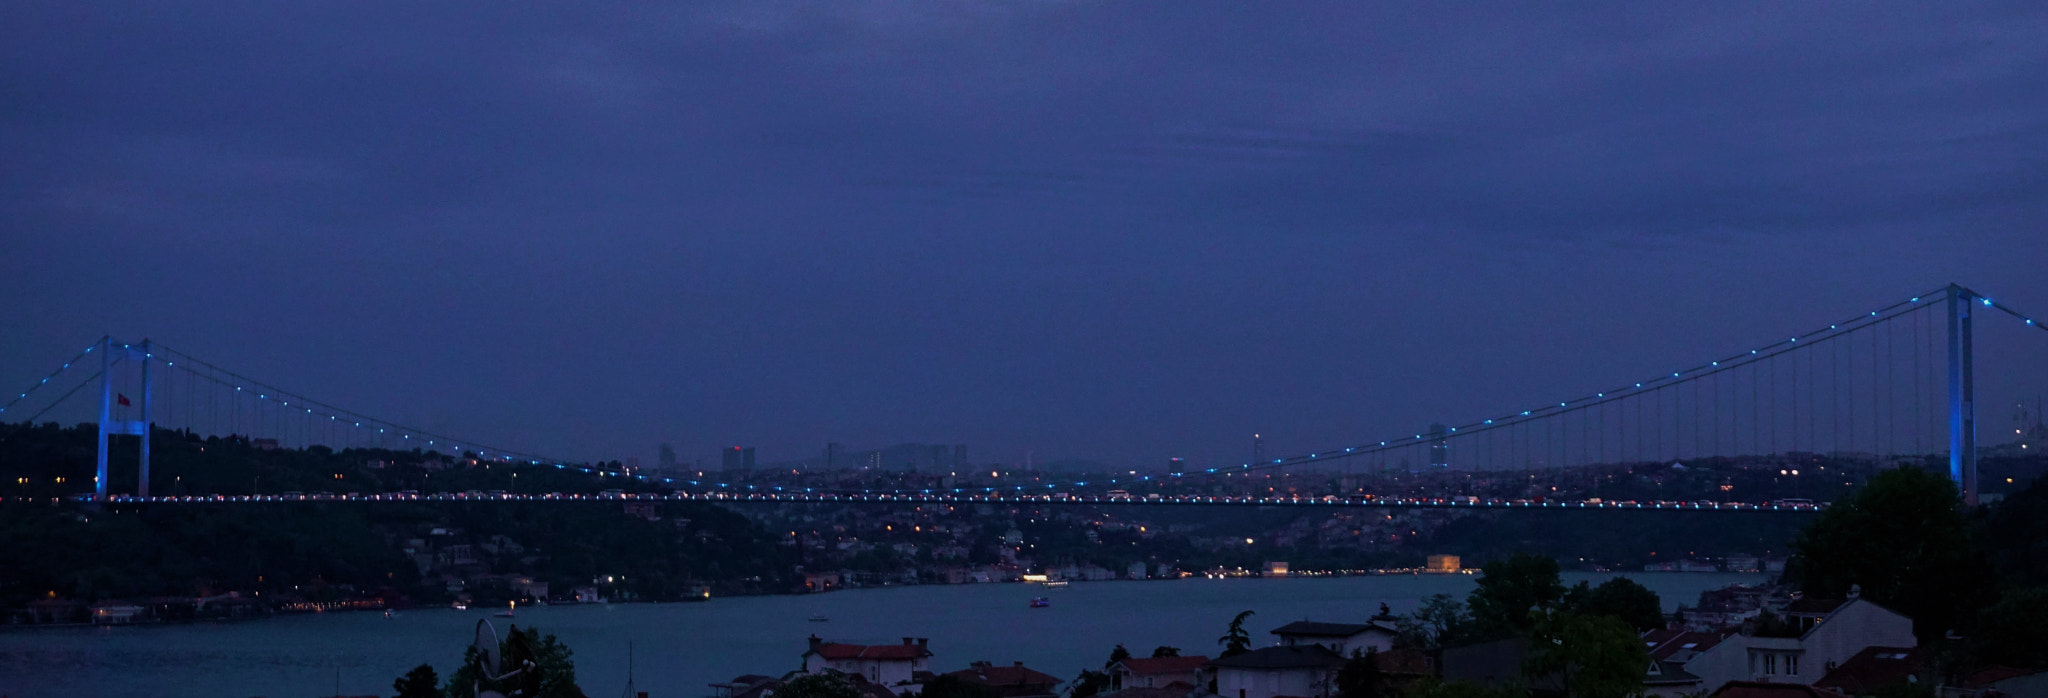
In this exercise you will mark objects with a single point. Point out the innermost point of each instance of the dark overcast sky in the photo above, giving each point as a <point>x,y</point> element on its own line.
<point>1114,230</point>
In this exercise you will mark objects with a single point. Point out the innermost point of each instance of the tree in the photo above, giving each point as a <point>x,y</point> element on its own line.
<point>1117,655</point>
<point>1440,621</point>
<point>418,683</point>
<point>1596,656</point>
<point>1360,675</point>
<point>1509,589</point>
<point>1165,651</point>
<point>2011,632</point>
<point>1902,537</point>
<point>1089,683</point>
<point>1236,641</point>
<point>543,664</point>
<point>826,685</point>
<point>1620,598</point>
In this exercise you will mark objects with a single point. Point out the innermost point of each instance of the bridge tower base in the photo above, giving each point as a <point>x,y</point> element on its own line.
<point>108,427</point>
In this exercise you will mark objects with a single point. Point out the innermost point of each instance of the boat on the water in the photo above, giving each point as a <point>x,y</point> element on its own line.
<point>820,618</point>
<point>509,608</point>
<point>1040,602</point>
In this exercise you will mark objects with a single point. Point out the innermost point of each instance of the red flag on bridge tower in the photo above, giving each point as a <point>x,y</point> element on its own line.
<point>121,400</point>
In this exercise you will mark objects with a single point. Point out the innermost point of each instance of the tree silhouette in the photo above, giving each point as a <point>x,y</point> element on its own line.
<point>1236,641</point>
<point>418,683</point>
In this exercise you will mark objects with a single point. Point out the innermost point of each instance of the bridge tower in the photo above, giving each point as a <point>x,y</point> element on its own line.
<point>108,427</point>
<point>1962,394</point>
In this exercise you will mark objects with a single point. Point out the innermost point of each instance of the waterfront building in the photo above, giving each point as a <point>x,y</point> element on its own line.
<point>891,666</point>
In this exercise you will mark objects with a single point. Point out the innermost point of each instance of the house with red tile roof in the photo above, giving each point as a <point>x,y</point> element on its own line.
<point>1158,672</point>
<point>894,667</point>
<point>1874,669</point>
<point>1014,681</point>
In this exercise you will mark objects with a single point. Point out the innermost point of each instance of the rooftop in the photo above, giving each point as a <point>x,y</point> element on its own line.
<point>1298,656</point>
<point>1309,628</point>
<point>1872,669</point>
<point>1149,666</point>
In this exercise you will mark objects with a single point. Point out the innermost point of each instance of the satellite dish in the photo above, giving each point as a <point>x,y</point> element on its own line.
<point>487,647</point>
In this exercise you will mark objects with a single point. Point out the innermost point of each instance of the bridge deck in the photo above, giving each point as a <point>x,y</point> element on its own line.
<point>950,498</point>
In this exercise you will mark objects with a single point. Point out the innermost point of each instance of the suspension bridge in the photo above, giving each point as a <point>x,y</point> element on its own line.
<point>1895,384</point>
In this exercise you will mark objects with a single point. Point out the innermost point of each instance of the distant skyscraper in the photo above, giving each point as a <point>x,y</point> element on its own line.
<point>738,458</point>
<point>666,457</point>
<point>832,450</point>
<point>1258,448</point>
<point>1439,446</point>
<point>959,457</point>
<point>1176,466</point>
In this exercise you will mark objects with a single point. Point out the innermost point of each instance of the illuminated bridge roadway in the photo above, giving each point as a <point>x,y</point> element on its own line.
<point>1333,502</point>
